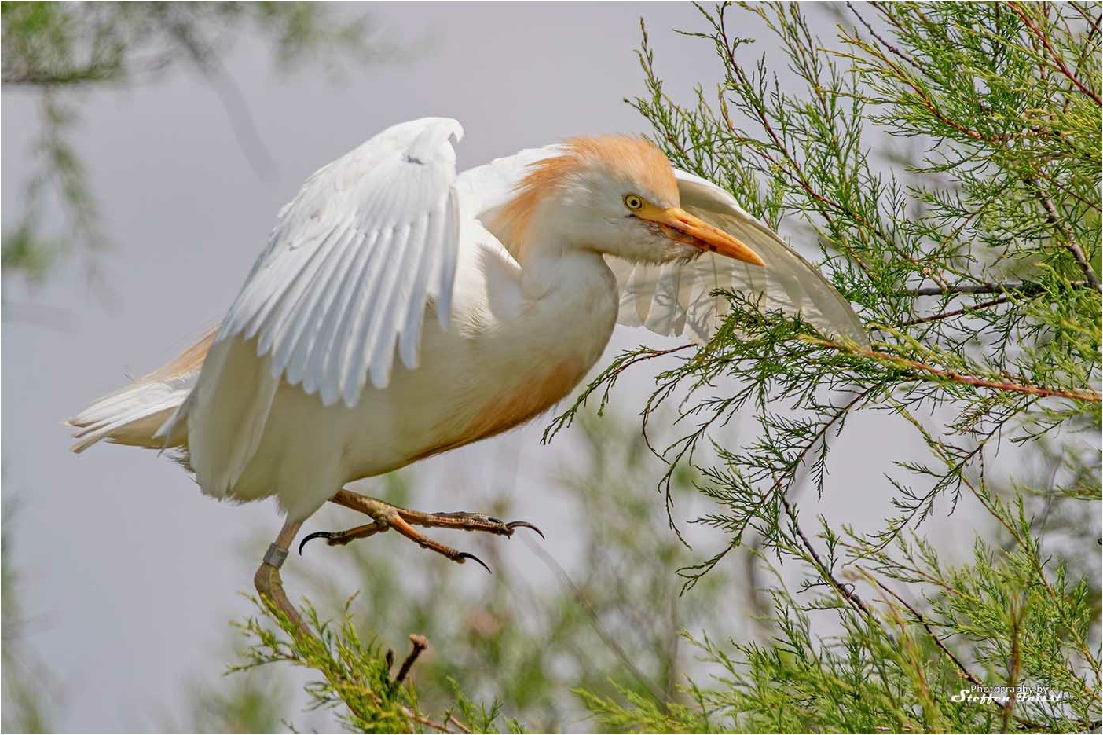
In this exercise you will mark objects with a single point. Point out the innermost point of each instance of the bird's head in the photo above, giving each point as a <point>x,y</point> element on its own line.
<point>615,195</point>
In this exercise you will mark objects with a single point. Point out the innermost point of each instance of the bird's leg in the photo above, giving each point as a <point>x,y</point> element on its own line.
<point>267,579</point>
<point>386,516</point>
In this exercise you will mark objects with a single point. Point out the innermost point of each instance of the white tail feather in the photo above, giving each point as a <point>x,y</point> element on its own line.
<point>132,415</point>
<point>136,414</point>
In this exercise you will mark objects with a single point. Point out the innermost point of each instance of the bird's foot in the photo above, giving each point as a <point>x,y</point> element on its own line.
<point>465,521</point>
<point>340,538</point>
<point>386,516</point>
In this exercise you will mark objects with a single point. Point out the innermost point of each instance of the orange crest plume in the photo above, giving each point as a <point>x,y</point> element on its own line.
<point>636,158</point>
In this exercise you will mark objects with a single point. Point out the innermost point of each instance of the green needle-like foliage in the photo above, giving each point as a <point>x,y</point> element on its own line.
<point>946,157</point>
<point>357,676</point>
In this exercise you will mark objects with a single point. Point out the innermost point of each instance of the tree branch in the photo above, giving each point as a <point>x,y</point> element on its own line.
<point>845,590</point>
<point>1011,384</point>
<point>1069,244</point>
<point>988,287</point>
<point>957,312</point>
<point>418,643</point>
<point>1053,54</point>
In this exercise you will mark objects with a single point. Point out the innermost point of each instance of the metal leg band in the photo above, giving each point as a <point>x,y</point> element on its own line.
<point>275,556</point>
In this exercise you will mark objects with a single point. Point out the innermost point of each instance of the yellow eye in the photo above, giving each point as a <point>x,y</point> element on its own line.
<point>633,202</point>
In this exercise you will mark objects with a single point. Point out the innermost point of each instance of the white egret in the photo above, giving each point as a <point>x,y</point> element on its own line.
<point>498,288</point>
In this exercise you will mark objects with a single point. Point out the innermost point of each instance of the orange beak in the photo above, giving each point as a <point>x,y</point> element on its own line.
<point>681,226</point>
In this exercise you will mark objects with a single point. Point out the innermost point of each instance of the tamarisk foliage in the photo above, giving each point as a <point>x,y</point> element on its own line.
<point>974,258</point>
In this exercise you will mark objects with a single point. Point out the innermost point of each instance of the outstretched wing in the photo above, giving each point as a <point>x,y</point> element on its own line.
<point>353,261</point>
<point>676,298</point>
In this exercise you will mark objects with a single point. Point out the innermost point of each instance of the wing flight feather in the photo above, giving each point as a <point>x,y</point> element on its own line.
<point>353,261</point>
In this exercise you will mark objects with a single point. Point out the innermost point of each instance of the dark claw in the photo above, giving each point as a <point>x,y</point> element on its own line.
<point>525,524</point>
<point>464,555</point>
<point>317,534</point>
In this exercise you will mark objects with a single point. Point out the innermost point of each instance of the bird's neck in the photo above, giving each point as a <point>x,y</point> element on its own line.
<point>550,263</point>
<point>549,259</point>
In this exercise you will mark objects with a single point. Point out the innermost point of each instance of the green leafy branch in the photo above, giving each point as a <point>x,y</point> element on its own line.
<point>357,674</point>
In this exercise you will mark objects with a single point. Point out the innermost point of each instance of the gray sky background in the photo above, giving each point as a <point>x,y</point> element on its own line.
<point>129,575</point>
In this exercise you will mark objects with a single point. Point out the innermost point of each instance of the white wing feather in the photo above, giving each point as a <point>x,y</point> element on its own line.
<point>353,261</point>
<point>675,298</point>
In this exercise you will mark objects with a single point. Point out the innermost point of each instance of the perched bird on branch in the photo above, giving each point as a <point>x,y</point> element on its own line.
<point>400,310</point>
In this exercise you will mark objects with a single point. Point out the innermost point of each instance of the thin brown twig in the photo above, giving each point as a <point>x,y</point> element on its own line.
<point>989,287</point>
<point>924,98</point>
<point>892,49</point>
<point>968,675</point>
<point>1052,53</point>
<point>845,590</point>
<point>1062,187</point>
<point>438,726</point>
<point>791,167</point>
<point>1009,385</point>
<point>650,355</point>
<point>957,312</point>
<point>457,724</point>
<point>423,720</point>
<point>418,644</point>
<point>1069,244</point>
<point>821,434</point>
